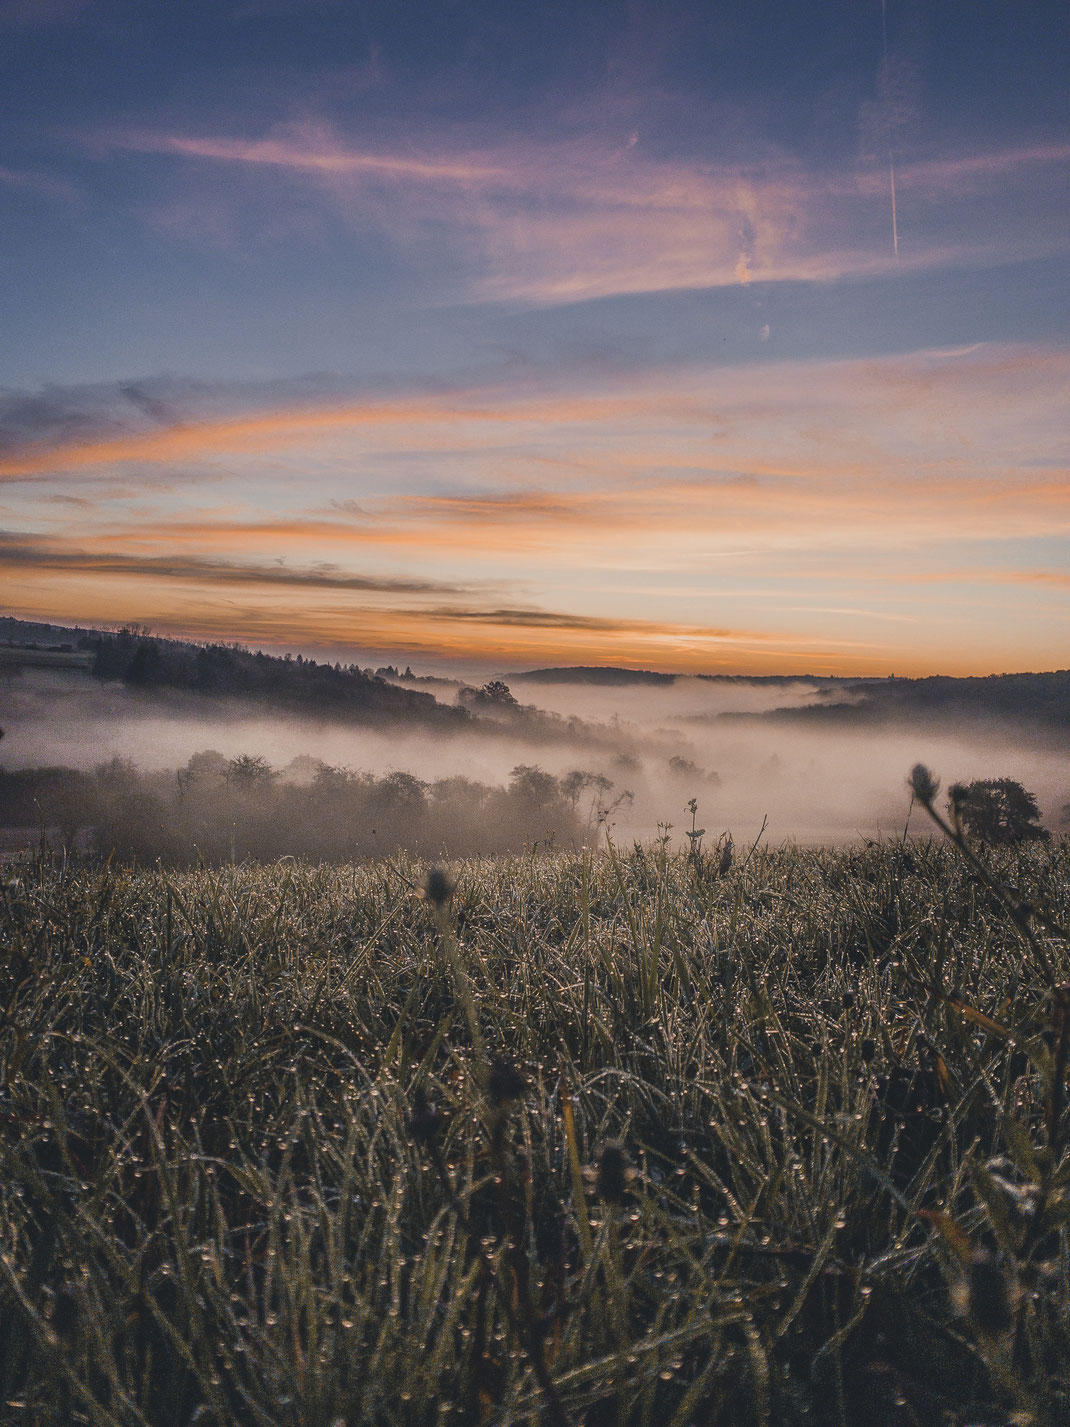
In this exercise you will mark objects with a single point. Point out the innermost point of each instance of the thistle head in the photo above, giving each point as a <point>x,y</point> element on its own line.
<point>424,1121</point>
<point>438,887</point>
<point>504,1082</point>
<point>923,784</point>
<point>986,1295</point>
<point>613,1173</point>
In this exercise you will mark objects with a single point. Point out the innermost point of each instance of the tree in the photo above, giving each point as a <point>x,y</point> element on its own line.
<point>144,667</point>
<point>207,766</point>
<point>574,783</point>
<point>497,692</point>
<point>493,696</point>
<point>997,810</point>
<point>250,770</point>
<point>531,785</point>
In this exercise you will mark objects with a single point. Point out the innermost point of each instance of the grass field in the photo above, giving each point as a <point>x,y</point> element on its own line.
<point>605,1138</point>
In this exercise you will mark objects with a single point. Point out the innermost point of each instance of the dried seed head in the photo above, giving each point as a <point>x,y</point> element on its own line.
<point>425,1121</point>
<point>868,1048</point>
<point>848,1000</point>
<point>504,1082</point>
<point>986,1296</point>
<point>922,784</point>
<point>613,1172</point>
<point>438,886</point>
<point>65,1311</point>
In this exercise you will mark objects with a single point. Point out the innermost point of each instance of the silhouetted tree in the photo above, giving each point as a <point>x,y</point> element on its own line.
<point>144,667</point>
<point>497,692</point>
<point>495,696</point>
<point>997,810</point>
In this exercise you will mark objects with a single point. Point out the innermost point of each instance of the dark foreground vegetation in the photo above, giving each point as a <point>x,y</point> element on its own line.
<point>634,1137</point>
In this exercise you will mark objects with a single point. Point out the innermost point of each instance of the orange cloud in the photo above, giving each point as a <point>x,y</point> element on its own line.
<point>276,430</point>
<point>666,523</point>
<point>1053,579</point>
<point>783,473</point>
<point>979,411</point>
<point>500,635</point>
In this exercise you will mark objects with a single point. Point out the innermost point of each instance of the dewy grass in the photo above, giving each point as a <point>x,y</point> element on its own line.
<point>630,1137</point>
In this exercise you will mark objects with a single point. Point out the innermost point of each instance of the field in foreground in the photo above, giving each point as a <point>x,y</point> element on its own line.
<point>606,1139</point>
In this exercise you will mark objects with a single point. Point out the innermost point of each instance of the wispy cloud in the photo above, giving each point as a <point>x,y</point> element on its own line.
<point>968,172</point>
<point>29,553</point>
<point>374,612</point>
<point>316,156</point>
<point>421,519</point>
<point>975,409</point>
<point>987,575</point>
<point>689,521</point>
<point>47,184</point>
<point>573,220</point>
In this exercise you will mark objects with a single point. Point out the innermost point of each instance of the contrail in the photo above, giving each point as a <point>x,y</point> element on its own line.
<point>891,160</point>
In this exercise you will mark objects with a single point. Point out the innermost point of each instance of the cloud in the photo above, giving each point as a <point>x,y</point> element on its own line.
<point>49,185</point>
<point>257,432</point>
<point>563,221</point>
<point>319,158</point>
<point>547,619</point>
<point>437,419</point>
<point>25,552</point>
<point>663,522</point>
<point>825,484</point>
<point>986,575</point>
<point>57,414</point>
<point>464,630</point>
<point>971,408</point>
<point>969,172</point>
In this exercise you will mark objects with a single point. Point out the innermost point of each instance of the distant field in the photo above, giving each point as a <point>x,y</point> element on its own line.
<point>622,1137</point>
<point>20,657</point>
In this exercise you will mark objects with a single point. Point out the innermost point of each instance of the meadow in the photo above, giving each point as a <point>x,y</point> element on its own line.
<point>623,1136</point>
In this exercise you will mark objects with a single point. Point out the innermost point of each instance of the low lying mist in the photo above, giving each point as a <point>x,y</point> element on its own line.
<point>684,697</point>
<point>650,752</point>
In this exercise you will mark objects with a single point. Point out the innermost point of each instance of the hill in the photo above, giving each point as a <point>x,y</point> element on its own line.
<point>229,671</point>
<point>1040,700</point>
<point>589,674</point>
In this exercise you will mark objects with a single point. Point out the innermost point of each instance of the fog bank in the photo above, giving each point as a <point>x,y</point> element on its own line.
<point>811,784</point>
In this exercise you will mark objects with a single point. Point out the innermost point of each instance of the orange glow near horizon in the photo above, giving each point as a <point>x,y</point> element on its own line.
<point>858,517</point>
<point>642,335</point>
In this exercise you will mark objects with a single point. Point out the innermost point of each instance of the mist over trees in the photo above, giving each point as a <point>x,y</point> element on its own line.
<point>216,809</point>
<point>1040,700</point>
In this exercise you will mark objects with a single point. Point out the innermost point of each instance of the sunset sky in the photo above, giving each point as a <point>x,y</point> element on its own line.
<point>727,337</point>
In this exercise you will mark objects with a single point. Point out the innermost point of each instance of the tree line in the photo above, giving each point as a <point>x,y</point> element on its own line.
<point>291,682</point>
<point>217,809</point>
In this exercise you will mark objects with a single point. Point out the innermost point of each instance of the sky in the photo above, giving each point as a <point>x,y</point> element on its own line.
<point>710,337</point>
